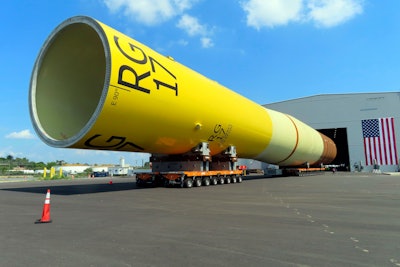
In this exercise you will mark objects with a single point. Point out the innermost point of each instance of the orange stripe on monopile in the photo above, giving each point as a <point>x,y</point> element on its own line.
<point>297,142</point>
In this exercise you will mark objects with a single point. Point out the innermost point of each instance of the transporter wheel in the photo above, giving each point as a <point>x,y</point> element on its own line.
<point>240,179</point>
<point>214,181</point>
<point>188,183</point>
<point>156,181</point>
<point>221,180</point>
<point>166,183</point>
<point>206,181</point>
<point>228,180</point>
<point>234,179</point>
<point>197,182</point>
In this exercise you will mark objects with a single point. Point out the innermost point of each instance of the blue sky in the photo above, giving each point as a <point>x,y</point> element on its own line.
<point>266,50</point>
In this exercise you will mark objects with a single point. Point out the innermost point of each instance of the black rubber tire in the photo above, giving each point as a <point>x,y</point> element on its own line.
<point>206,181</point>
<point>197,182</point>
<point>188,183</point>
<point>166,183</point>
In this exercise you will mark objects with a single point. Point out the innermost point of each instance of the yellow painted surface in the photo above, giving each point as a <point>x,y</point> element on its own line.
<point>161,106</point>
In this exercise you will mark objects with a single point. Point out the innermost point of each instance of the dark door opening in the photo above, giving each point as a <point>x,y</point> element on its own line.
<point>339,136</point>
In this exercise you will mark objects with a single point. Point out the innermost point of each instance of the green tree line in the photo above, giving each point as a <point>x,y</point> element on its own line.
<point>10,162</point>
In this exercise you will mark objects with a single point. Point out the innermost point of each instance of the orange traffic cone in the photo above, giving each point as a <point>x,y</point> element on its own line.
<point>46,210</point>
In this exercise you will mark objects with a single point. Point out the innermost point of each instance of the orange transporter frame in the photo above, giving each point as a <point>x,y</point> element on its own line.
<point>190,178</point>
<point>195,168</point>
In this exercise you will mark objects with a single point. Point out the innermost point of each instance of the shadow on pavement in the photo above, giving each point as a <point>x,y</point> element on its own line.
<point>77,189</point>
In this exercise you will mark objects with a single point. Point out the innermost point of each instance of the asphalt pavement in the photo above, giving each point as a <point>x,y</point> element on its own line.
<point>338,219</point>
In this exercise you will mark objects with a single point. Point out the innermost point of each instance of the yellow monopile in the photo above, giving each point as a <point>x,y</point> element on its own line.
<point>114,93</point>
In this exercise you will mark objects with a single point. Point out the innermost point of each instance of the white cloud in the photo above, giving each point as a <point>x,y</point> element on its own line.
<point>183,42</point>
<point>193,27</point>
<point>184,4</point>
<point>24,134</point>
<point>329,13</point>
<point>324,13</point>
<point>150,12</point>
<point>158,11</point>
<point>261,13</point>
<point>206,42</point>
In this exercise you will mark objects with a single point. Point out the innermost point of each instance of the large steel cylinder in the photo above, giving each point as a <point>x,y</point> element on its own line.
<point>93,87</point>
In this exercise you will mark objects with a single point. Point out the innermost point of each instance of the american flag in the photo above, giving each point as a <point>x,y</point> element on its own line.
<point>379,141</point>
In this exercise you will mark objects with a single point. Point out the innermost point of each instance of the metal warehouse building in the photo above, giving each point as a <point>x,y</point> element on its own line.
<point>364,126</point>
